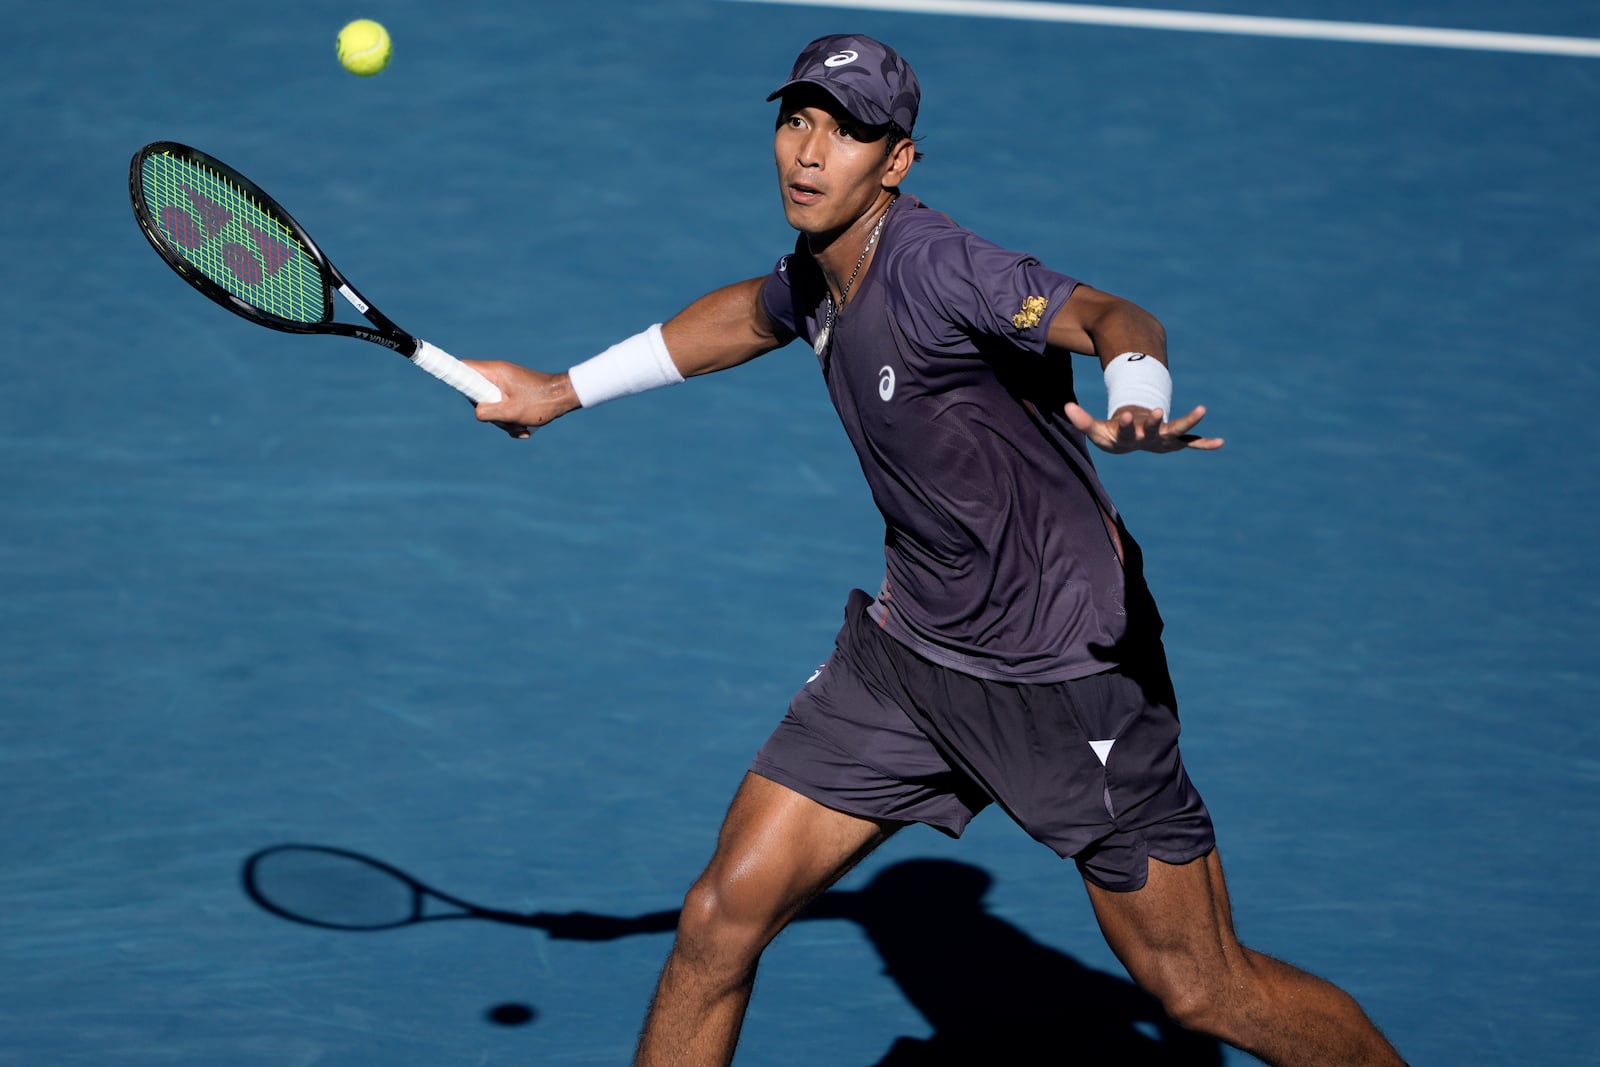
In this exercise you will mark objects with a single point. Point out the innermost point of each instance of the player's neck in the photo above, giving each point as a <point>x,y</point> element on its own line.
<point>845,256</point>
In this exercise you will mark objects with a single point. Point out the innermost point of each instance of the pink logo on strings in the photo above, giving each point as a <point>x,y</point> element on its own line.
<point>250,266</point>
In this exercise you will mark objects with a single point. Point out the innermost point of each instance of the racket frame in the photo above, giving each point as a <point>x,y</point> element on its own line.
<point>383,331</point>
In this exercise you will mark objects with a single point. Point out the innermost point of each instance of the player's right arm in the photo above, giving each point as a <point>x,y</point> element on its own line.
<point>720,330</point>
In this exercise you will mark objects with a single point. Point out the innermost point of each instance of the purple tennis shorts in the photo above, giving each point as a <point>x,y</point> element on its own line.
<point>1089,767</point>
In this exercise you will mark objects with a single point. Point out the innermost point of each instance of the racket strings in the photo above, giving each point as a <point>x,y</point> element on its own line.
<point>226,235</point>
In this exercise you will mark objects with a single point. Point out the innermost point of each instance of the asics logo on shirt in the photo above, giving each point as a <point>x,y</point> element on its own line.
<point>839,59</point>
<point>886,383</point>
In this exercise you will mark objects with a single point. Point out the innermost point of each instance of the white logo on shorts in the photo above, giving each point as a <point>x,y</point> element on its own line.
<point>886,383</point>
<point>839,59</point>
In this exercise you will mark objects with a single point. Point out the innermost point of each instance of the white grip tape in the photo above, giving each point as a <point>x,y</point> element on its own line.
<point>454,373</point>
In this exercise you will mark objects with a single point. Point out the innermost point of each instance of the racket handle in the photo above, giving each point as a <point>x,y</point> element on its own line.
<point>454,373</point>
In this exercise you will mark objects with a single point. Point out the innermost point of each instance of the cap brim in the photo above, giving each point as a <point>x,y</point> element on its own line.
<point>856,106</point>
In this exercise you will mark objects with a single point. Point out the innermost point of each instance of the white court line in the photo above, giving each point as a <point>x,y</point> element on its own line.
<point>1203,22</point>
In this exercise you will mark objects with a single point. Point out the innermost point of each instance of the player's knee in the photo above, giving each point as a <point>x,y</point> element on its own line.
<point>720,926</point>
<point>1191,997</point>
<point>1193,1007</point>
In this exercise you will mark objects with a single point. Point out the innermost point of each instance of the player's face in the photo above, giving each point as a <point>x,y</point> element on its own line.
<point>828,174</point>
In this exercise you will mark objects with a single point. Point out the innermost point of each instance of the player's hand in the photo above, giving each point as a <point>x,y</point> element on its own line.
<point>528,398</point>
<point>1133,429</point>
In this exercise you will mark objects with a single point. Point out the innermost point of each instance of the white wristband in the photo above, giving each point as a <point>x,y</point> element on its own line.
<point>627,367</point>
<point>1138,380</point>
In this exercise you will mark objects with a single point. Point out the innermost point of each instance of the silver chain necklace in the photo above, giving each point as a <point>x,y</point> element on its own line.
<point>821,344</point>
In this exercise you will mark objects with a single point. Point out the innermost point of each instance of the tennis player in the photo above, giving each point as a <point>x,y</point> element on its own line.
<point>1012,654</point>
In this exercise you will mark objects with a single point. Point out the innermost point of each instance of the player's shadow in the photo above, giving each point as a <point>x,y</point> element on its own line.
<point>991,993</point>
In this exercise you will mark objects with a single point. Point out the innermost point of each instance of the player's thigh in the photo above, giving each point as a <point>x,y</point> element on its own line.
<point>776,851</point>
<point>1175,934</point>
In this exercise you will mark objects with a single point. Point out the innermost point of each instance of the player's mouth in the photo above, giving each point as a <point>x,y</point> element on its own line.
<point>803,193</point>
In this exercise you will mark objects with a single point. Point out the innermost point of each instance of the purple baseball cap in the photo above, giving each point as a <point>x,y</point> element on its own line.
<point>867,77</point>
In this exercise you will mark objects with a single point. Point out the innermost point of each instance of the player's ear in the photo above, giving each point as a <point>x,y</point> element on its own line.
<point>899,161</point>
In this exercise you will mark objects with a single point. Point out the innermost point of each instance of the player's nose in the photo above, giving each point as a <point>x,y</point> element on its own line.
<point>811,149</point>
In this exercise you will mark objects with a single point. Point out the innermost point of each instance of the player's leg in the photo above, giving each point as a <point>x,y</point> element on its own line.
<point>1175,936</point>
<point>777,850</point>
<point>841,772</point>
<point>1091,767</point>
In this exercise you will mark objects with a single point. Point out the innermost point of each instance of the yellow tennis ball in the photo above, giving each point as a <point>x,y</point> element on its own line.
<point>364,47</point>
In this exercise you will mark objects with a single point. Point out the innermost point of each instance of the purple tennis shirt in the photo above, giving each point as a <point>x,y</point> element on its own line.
<point>1000,562</point>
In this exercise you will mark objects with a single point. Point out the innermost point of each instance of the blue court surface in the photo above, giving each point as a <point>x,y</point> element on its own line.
<point>259,590</point>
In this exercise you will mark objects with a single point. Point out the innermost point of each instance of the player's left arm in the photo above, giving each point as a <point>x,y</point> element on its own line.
<point>1097,323</point>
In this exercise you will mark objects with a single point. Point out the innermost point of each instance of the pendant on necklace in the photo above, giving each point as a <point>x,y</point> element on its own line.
<point>820,345</point>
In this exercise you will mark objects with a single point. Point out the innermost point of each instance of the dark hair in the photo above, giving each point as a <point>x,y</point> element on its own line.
<point>893,135</point>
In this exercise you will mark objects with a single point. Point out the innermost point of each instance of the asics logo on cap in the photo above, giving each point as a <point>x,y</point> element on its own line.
<point>867,78</point>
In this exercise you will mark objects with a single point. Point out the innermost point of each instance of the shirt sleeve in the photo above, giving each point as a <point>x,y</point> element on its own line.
<point>781,300</point>
<point>965,285</point>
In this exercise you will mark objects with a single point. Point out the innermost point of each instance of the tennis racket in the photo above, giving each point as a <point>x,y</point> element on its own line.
<point>238,246</point>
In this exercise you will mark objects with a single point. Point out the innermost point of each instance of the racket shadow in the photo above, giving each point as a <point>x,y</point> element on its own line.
<point>990,993</point>
<point>337,889</point>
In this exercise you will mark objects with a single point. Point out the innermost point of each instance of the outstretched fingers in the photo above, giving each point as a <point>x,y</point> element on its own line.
<point>1178,431</point>
<point>1141,430</point>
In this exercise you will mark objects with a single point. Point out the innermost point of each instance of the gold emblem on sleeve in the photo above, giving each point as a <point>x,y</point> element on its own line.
<point>1032,313</point>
